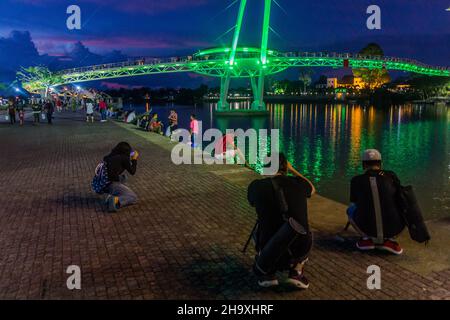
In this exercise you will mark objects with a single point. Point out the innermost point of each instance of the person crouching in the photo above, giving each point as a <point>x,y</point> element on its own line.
<point>283,239</point>
<point>373,210</point>
<point>122,158</point>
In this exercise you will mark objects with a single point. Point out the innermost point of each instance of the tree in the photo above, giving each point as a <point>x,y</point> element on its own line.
<point>430,86</point>
<point>373,78</point>
<point>37,78</point>
<point>305,77</point>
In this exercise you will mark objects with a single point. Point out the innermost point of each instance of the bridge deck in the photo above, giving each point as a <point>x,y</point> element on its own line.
<point>247,65</point>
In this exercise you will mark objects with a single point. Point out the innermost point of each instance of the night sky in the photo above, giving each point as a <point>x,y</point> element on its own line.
<point>35,32</point>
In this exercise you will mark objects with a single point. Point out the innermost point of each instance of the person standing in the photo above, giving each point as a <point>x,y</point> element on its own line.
<point>73,104</point>
<point>194,131</point>
<point>58,105</point>
<point>21,114</point>
<point>89,111</point>
<point>12,111</point>
<point>283,238</point>
<point>49,109</point>
<point>102,107</point>
<point>36,112</point>
<point>122,158</point>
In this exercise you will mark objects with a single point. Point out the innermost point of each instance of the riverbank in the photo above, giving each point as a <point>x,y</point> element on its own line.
<point>183,238</point>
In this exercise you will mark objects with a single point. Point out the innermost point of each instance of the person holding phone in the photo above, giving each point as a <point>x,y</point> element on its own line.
<point>122,158</point>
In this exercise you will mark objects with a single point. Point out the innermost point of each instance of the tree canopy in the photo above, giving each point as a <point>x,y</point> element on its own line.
<point>373,78</point>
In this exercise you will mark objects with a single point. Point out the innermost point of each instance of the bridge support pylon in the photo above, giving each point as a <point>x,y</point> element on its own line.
<point>258,93</point>
<point>224,87</point>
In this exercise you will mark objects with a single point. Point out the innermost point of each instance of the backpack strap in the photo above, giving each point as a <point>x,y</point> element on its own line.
<point>280,197</point>
<point>284,207</point>
<point>377,207</point>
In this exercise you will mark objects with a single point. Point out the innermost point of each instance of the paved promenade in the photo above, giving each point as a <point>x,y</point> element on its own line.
<point>182,240</point>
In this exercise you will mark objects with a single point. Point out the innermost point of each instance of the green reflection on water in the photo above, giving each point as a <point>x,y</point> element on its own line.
<point>325,143</point>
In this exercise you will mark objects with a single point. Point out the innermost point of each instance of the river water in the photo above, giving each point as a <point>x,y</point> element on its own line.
<point>325,143</point>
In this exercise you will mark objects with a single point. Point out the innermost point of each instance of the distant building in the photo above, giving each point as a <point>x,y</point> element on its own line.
<point>348,81</point>
<point>332,82</point>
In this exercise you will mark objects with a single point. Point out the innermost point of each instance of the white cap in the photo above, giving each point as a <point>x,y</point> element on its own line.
<point>371,155</point>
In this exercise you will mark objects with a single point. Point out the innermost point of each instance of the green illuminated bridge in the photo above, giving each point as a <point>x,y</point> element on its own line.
<point>232,62</point>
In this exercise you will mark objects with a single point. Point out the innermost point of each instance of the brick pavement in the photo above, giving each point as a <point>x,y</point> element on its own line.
<point>182,240</point>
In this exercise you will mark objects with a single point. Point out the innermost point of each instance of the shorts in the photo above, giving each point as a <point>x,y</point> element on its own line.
<point>226,155</point>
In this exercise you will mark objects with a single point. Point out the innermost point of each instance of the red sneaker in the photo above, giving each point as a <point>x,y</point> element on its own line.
<point>365,244</point>
<point>391,246</point>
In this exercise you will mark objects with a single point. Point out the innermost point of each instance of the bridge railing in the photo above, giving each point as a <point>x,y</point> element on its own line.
<point>360,57</point>
<point>128,63</point>
<point>160,61</point>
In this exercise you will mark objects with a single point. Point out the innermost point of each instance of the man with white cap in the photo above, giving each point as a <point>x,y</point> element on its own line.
<point>374,211</point>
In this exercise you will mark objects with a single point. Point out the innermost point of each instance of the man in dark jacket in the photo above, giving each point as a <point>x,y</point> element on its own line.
<point>49,109</point>
<point>12,111</point>
<point>122,158</point>
<point>374,211</point>
<point>271,218</point>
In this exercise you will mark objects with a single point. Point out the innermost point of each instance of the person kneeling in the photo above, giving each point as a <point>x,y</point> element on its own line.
<point>122,158</point>
<point>283,239</point>
<point>374,211</point>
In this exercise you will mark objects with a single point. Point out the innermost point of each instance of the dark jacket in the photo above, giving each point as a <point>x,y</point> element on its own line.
<point>261,195</point>
<point>361,195</point>
<point>117,164</point>
<point>49,107</point>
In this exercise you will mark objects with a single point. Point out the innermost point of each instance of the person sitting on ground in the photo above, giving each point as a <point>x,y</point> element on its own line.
<point>155,125</point>
<point>143,122</point>
<point>226,150</point>
<point>173,122</point>
<point>373,210</point>
<point>122,158</point>
<point>281,204</point>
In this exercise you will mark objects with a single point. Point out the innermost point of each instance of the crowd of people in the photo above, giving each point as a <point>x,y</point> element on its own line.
<point>282,234</point>
<point>43,109</point>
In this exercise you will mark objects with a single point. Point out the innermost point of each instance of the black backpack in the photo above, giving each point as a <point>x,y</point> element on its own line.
<point>412,214</point>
